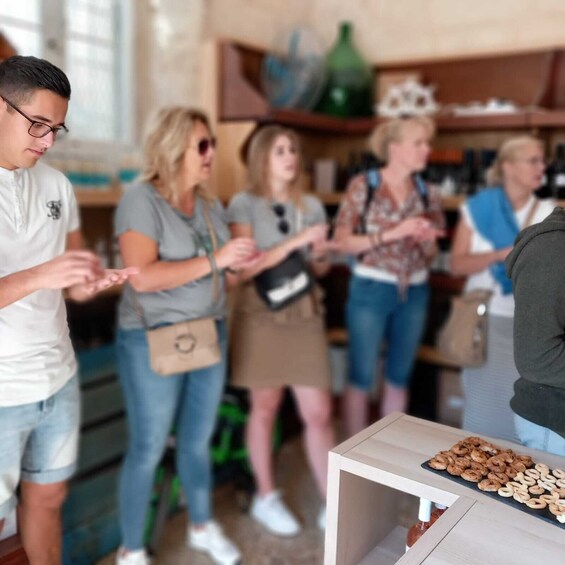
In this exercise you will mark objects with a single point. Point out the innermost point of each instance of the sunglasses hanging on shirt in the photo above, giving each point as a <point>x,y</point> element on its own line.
<point>286,282</point>
<point>280,212</point>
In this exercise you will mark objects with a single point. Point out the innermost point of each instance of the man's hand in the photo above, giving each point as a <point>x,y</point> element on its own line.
<point>71,268</point>
<point>109,278</point>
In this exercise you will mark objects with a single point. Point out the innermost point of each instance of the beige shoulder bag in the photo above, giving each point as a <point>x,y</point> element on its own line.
<point>463,338</point>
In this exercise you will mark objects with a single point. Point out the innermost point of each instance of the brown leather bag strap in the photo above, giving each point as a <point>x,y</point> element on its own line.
<point>211,258</point>
<point>138,308</point>
<point>531,214</point>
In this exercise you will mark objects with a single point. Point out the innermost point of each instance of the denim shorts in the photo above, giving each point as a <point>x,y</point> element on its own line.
<point>38,442</point>
<point>376,312</point>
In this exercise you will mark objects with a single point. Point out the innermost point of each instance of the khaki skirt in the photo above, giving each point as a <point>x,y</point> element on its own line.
<point>275,349</point>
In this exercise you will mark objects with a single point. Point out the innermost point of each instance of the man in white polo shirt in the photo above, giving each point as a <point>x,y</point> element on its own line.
<point>40,254</point>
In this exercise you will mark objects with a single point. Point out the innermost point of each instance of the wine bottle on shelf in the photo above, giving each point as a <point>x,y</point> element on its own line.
<point>421,526</point>
<point>353,165</point>
<point>102,251</point>
<point>452,167</point>
<point>558,173</point>
<point>349,84</point>
<point>467,177</point>
<point>438,510</point>
<point>369,161</point>
<point>434,172</point>
<point>486,158</point>
<point>546,188</point>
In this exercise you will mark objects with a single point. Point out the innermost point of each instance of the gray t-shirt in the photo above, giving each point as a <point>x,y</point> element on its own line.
<point>256,211</point>
<point>179,237</point>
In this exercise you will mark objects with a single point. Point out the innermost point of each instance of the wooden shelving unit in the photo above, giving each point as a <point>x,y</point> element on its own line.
<point>549,119</point>
<point>368,475</point>
<point>450,203</point>
<point>530,79</point>
<point>98,198</point>
<point>329,198</point>
<point>311,122</point>
<point>448,123</point>
<point>319,122</point>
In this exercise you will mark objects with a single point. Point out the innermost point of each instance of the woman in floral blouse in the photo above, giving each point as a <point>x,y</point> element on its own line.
<point>388,221</point>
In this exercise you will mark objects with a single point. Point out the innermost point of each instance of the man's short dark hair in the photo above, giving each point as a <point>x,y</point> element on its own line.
<point>21,76</point>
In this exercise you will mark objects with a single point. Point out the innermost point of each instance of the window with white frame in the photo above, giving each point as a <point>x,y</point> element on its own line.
<point>91,41</point>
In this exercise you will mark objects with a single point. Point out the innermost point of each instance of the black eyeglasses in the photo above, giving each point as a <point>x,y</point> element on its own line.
<point>204,145</point>
<point>280,212</point>
<point>39,129</point>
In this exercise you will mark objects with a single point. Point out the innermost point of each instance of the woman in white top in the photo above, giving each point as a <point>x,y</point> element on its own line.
<point>488,225</point>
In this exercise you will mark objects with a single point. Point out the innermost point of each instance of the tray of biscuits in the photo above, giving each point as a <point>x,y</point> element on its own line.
<point>505,475</point>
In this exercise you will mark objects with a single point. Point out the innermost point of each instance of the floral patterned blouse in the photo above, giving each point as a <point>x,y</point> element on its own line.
<point>402,257</point>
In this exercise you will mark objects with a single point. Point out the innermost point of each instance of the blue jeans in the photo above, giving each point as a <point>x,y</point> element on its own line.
<point>537,437</point>
<point>187,401</point>
<point>375,312</point>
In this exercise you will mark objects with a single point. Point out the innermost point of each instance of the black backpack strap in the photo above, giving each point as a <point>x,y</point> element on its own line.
<point>372,180</point>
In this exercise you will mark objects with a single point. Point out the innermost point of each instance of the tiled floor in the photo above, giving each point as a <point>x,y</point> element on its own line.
<point>258,547</point>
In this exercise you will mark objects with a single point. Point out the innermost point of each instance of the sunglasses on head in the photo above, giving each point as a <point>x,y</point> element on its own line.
<point>204,145</point>
<point>280,212</point>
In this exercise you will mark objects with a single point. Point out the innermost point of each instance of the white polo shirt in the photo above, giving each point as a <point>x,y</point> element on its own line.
<point>37,210</point>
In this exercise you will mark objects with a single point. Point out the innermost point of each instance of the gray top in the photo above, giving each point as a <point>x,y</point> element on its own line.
<point>178,237</point>
<point>246,208</point>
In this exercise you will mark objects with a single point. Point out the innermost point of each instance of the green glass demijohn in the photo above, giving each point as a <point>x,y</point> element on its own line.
<point>349,88</point>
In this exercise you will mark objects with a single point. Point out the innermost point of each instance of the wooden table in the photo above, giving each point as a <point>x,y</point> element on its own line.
<point>368,474</point>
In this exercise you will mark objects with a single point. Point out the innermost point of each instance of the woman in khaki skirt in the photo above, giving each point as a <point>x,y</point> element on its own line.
<point>272,349</point>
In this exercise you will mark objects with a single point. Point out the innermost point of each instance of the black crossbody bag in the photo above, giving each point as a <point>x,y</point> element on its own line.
<point>286,282</point>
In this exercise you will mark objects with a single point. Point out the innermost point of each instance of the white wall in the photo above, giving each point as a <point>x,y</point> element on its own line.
<point>389,30</point>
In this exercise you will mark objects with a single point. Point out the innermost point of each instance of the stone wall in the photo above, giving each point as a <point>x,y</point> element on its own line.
<point>392,30</point>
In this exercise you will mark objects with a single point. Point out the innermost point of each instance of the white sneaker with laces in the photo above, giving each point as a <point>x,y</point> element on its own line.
<point>138,557</point>
<point>322,518</point>
<point>212,540</point>
<point>271,512</point>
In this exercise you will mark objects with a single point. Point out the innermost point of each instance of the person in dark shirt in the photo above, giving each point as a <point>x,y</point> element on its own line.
<point>536,266</point>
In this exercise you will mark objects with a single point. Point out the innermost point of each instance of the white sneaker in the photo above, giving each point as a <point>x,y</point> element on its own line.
<point>212,540</point>
<point>322,518</point>
<point>138,557</point>
<point>271,512</point>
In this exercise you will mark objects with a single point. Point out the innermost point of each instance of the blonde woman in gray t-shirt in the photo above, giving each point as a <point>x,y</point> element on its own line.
<point>272,349</point>
<point>162,229</point>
